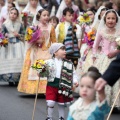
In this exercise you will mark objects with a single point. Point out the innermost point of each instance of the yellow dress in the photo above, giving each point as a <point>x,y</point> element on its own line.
<point>30,86</point>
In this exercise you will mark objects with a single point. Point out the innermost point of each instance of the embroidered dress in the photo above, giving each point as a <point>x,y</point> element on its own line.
<point>93,111</point>
<point>11,56</point>
<point>29,78</point>
<point>59,85</point>
<point>102,62</point>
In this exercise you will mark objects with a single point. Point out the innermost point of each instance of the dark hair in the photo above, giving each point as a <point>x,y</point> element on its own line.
<point>110,11</point>
<point>93,73</point>
<point>14,8</point>
<point>104,9</point>
<point>108,4</point>
<point>91,9</point>
<point>70,10</point>
<point>13,5</point>
<point>54,18</point>
<point>39,13</point>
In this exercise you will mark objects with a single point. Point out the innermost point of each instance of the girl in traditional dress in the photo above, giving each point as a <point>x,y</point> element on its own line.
<point>61,78</point>
<point>87,107</point>
<point>11,56</point>
<point>70,4</point>
<point>31,9</point>
<point>5,12</point>
<point>107,33</point>
<point>38,49</point>
<point>83,44</point>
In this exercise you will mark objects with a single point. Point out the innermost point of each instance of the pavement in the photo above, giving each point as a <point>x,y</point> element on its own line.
<point>17,106</point>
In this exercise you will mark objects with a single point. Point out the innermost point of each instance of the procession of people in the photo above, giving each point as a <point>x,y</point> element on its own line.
<point>78,39</point>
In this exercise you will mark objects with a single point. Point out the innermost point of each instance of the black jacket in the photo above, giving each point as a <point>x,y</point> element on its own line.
<point>112,74</point>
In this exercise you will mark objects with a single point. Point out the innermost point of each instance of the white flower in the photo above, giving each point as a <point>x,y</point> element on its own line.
<point>70,96</point>
<point>64,92</point>
<point>118,40</point>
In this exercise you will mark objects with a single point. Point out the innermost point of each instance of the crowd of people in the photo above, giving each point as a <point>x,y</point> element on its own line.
<point>78,52</point>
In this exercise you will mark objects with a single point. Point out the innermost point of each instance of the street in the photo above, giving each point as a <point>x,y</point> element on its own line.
<point>17,106</point>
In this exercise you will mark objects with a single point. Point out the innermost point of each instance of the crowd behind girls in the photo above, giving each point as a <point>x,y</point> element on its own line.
<point>62,39</point>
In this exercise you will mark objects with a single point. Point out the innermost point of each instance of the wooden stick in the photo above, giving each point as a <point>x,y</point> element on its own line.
<point>113,105</point>
<point>36,98</point>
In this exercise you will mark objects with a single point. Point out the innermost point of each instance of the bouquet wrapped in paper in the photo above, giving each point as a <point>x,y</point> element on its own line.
<point>42,67</point>
<point>32,34</point>
<point>3,40</point>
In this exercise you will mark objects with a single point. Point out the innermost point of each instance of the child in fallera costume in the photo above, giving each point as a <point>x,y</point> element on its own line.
<point>37,49</point>
<point>12,56</point>
<point>69,34</point>
<point>87,107</point>
<point>60,80</point>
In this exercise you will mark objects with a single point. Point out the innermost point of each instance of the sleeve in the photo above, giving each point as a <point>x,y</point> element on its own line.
<point>69,117</point>
<point>57,31</point>
<point>112,74</point>
<point>96,43</point>
<point>4,29</point>
<point>53,35</point>
<point>75,77</point>
<point>78,32</point>
<point>100,112</point>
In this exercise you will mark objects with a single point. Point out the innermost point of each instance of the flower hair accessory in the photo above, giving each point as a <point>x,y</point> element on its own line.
<point>3,40</point>
<point>84,19</point>
<point>33,33</point>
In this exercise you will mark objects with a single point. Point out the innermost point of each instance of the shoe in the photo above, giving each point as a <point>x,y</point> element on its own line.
<point>48,118</point>
<point>61,118</point>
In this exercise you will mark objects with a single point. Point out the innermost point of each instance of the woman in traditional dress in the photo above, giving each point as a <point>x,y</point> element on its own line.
<point>31,9</point>
<point>38,49</point>
<point>107,33</point>
<point>11,56</point>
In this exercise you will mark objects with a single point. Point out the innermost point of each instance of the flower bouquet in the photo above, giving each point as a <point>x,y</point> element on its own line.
<point>84,19</point>
<point>3,40</point>
<point>32,34</point>
<point>42,67</point>
<point>118,43</point>
<point>90,37</point>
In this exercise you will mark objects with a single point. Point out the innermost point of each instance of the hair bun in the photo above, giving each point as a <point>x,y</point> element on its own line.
<point>94,69</point>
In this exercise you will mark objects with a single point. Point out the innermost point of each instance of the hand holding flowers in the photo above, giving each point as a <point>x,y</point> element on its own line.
<point>3,40</point>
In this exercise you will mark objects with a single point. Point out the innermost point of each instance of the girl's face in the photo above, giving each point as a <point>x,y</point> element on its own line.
<point>87,91</point>
<point>9,6</point>
<point>44,18</point>
<point>102,13</point>
<point>68,2</point>
<point>114,6</point>
<point>13,15</point>
<point>110,20</point>
<point>61,53</point>
<point>34,3</point>
<point>91,15</point>
<point>2,2</point>
<point>54,23</point>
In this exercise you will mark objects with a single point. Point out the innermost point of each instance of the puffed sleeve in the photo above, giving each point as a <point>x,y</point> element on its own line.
<point>100,112</point>
<point>96,43</point>
<point>57,32</point>
<point>52,35</point>
<point>78,32</point>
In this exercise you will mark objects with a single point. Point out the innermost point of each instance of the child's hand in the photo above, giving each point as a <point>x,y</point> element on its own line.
<point>16,34</point>
<point>76,84</point>
<point>111,54</point>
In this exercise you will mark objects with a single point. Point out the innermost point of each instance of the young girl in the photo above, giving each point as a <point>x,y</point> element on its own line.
<point>70,4</point>
<point>85,48</point>
<point>11,56</point>
<point>5,13</point>
<point>38,49</point>
<point>54,21</point>
<point>107,33</point>
<point>60,80</point>
<point>31,9</point>
<point>87,107</point>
